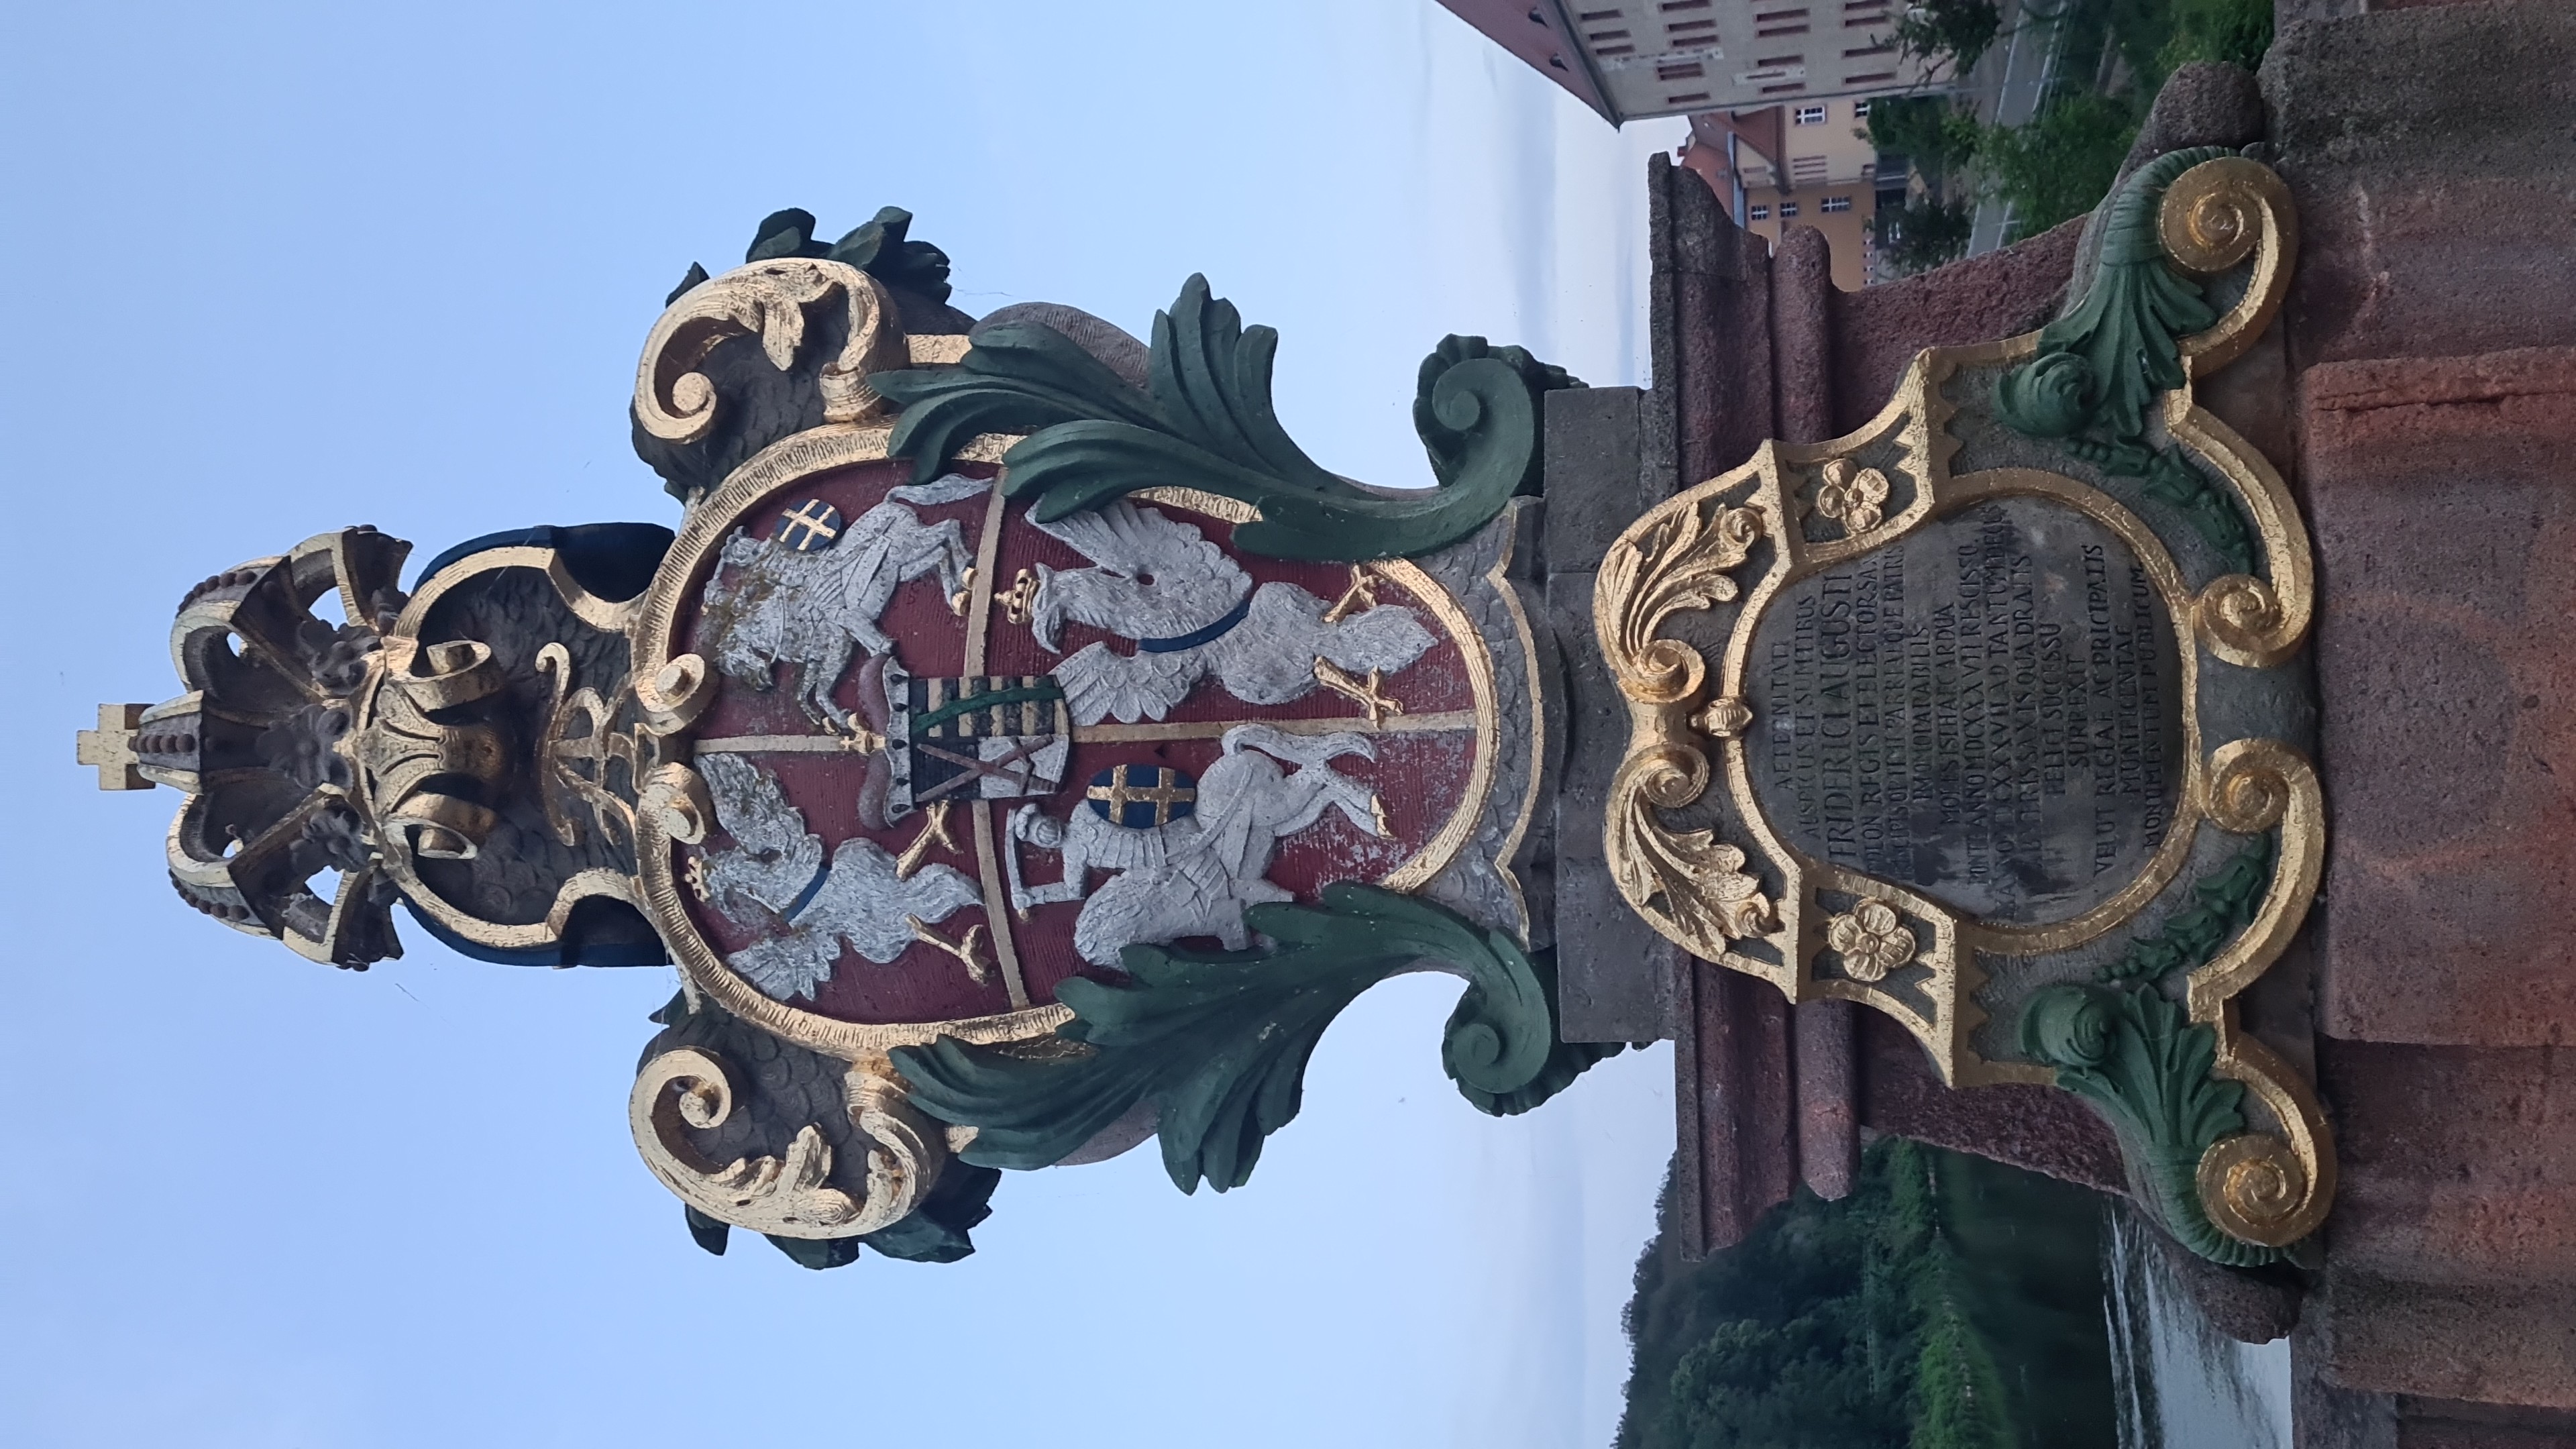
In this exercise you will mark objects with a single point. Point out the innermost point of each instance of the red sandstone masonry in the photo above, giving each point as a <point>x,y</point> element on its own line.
<point>2442,495</point>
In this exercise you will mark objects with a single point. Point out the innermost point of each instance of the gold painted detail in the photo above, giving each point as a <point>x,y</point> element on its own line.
<point>1726,718</point>
<point>1363,692</point>
<point>401,749</point>
<point>1708,887</point>
<point>1871,940</point>
<point>2274,1187</point>
<point>767,299</point>
<point>1693,887</point>
<point>791,1195</point>
<point>1851,495</point>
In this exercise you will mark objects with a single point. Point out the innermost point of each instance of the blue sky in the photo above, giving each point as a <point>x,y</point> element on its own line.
<point>284,268</point>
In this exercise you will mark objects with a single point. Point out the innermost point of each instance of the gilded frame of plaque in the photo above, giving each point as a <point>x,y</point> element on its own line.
<point>2118,973</point>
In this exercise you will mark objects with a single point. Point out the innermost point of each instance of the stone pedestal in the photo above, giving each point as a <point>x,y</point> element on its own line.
<point>2420,393</point>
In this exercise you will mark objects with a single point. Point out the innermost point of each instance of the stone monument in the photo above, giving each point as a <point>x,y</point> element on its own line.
<point>1023,749</point>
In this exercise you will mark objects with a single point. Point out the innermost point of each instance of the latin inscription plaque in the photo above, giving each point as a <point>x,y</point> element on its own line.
<point>1988,711</point>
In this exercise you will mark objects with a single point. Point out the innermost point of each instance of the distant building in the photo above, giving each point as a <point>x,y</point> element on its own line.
<point>1634,59</point>
<point>1809,163</point>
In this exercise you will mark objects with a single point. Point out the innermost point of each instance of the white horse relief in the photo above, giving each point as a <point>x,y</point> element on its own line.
<point>775,878</point>
<point>1193,612</point>
<point>1195,875</point>
<point>811,608</point>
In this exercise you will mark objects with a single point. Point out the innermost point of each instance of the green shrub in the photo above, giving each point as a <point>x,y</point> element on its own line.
<point>2062,163</point>
<point>2235,31</point>
<point>1923,235</point>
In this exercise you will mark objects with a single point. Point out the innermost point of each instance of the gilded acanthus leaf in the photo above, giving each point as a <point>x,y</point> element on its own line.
<point>1687,878</point>
<point>1684,562</point>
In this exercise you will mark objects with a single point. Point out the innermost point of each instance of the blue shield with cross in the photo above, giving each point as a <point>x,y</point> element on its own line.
<point>1143,797</point>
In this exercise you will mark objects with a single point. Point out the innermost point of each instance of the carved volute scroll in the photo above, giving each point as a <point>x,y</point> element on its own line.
<point>769,300</point>
<point>1877,685</point>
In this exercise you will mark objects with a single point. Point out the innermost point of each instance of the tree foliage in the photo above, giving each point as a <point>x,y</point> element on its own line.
<point>1952,32</point>
<point>1946,1303</point>
<point>1938,134</point>
<point>1922,235</point>
<point>2235,31</point>
<point>2061,164</point>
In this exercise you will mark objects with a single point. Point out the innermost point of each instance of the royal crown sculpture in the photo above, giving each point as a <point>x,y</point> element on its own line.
<point>1022,748</point>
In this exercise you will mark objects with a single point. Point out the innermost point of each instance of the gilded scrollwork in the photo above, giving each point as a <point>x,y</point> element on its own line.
<point>1692,886</point>
<point>795,1193</point>
<point>677,403</point>
<point>2228,1139</point>
<point>1684,559</point>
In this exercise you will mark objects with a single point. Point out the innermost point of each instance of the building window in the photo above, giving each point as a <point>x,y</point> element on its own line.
<point>1860,110</point>
<point>1597,36</point>
<point>1592,15</point>
<point>1871,79</point>
<point>1685,70</point>
<point>1687,30</point>
<point>1788,209</point>
<point>1811,115</point>
<point>1672,5</point>
<point>1834,203</point>
<point>1757,213</point>
<point>1693,99</point>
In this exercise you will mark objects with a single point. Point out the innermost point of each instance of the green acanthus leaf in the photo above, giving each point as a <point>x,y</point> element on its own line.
<point>1206,421</point>
<point>1218,1041</point>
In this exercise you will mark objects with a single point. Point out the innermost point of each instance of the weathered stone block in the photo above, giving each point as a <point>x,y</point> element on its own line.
<point>2446,537</point>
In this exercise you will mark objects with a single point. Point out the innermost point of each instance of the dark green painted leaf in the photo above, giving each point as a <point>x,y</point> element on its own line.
<point>2222,905</point>
<point>695,275</point>
<point>708,1233</point>
<point>1219,1040</point>
<point>2124,334</point>
<point>1207,421</point>
<point>879,248</point>
<point>938,1230</point>
<point>2146,1068</point>
<point>817,1253</point>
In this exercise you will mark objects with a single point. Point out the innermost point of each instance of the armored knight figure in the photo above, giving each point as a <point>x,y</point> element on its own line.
<point>1022,748</point>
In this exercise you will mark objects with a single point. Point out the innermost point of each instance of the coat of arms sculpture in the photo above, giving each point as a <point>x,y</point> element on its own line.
<point>1023,749</point>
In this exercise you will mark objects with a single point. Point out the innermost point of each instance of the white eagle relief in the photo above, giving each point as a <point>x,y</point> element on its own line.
<point>1195,875</point>
<point>775,877</point>
<point>1194,612</point>
<point>813,607</point>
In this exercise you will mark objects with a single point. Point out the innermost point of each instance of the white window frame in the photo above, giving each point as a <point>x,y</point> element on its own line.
<point>1834,203</point>
<point>1808,115</point>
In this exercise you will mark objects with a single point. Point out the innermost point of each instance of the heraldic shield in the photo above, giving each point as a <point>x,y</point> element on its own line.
<point>1020,747</point>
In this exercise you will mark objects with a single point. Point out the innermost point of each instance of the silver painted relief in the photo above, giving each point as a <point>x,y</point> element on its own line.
<point>1193,612</point>
<point>774,878</point>
<point>812,596</point>
<point>1191,874</point>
